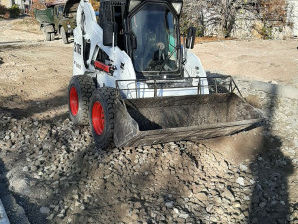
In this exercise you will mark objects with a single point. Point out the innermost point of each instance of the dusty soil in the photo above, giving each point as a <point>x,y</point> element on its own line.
<point>34,69</point>
<point>264,60</point>
<point>58,176</point>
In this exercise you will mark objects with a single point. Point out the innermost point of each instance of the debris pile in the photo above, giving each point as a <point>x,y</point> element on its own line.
<point>56,167</point>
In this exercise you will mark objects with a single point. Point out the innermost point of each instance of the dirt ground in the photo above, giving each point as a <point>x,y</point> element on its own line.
<point>264,60</point>
<point>32,69</point>
<point>34,76</point>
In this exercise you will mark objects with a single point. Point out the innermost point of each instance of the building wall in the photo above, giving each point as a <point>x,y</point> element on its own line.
<point>21,3</point>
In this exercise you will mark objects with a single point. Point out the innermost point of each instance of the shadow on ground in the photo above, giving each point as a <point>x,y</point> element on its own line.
<point>20,109</point>
<point>270,197</point>
<point>15,213</point>
<point>16,158</point>
<point>269,201</point>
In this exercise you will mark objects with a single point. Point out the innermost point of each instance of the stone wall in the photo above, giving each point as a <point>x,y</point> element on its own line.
<point>243,20</point>
<point>254,28</point>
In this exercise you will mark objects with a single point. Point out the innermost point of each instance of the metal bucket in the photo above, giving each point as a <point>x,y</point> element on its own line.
<point>149,121</point>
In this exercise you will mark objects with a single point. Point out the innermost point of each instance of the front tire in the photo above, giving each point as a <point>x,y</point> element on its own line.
<point>101,116</point>
<point>80,90</point>
<point>64,35</point>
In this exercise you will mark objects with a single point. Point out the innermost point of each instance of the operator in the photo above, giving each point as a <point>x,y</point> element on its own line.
<point>156,47</point>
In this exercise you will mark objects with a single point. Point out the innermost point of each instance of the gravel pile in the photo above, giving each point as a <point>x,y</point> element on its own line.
<point>58,176</point>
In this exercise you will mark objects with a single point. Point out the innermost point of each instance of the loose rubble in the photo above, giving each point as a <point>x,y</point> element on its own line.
<point>55,167</point>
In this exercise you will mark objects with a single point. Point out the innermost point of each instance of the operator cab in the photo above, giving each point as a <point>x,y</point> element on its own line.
<point>154,26</point>
<point>148,31</point>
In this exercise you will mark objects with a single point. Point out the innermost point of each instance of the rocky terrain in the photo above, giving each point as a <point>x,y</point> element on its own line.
<point>59,176</point>
<point>53,171</point>
<point>268,61</point>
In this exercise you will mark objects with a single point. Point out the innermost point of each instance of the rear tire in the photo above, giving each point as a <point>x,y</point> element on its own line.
<point>101,116</point>
<point>52,36</point>
<point>80,90</point>
<point>64,35</point>
<point>48,36</point>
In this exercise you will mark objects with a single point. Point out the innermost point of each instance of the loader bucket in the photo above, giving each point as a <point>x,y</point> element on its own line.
<point>149,121</point>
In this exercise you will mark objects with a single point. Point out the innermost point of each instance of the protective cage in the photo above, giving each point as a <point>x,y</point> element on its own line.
<point>107,10</point>
<point>146,121</point>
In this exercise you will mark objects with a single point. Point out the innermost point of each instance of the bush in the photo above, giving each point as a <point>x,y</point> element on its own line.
<point>266,32</point>
<point>14,11</point>
<point>3,9</point>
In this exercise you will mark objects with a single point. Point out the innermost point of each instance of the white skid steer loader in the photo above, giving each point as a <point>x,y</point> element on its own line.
<point>136,84</point>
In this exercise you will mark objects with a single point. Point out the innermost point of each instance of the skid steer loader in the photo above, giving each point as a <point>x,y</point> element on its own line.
<point>136,84</point>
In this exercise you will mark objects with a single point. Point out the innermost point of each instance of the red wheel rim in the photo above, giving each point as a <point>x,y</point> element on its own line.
<point>98,118</point>
<point>73,101</point>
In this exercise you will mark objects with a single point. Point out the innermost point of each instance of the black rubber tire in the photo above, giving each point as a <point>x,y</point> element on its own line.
<point>64,35</point>
<point>52,36</point>
<point>85,87</point>
<point>48,36</point>
<point>106,96</point>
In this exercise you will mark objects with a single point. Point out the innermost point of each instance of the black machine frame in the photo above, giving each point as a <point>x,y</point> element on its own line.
<point>107,15</point>
<point>157,74</point>
<point>216,85</point>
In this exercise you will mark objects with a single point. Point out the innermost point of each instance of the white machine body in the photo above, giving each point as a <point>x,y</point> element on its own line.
<point>89,31</point>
